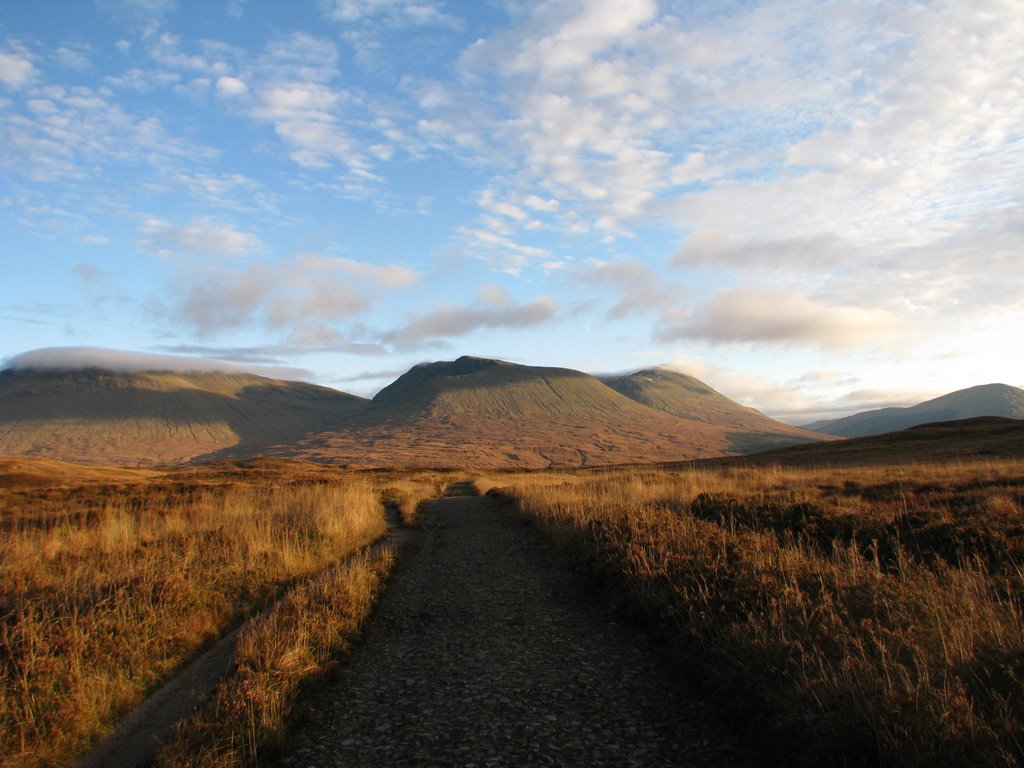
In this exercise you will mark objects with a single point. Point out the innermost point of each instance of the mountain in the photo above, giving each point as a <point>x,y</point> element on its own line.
<point>98,416</point>
<point>475,386</point>
<point>489,413</point>
<point>985,400</point>
<point>983,437</point>
<point>689,398</point>
<point>470,412</point>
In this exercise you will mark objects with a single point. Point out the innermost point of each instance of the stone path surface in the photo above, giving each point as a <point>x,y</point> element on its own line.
<point>485,651</point>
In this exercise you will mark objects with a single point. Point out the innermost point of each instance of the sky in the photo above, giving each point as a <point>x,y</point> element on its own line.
<point>815,207</point>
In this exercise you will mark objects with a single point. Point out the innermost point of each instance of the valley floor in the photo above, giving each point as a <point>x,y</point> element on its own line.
<point>485,650</point>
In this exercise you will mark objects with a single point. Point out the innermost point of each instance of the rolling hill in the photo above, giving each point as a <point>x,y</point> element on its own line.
<point>984,437</point>
<point>467,412</point>
<point>689,398</point>
<point>986,400</point>
<point>102,417</point>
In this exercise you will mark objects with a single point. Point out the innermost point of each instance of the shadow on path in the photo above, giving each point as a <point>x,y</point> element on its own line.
<point>484,651</point>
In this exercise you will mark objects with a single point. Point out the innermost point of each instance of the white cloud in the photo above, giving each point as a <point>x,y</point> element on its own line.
<point>492,309</point>
<point>384,275</point>
<point>394,12</point>
<point>144,80</point>
<point>227,190</point>
<point>231,86</point>
<point>544,205</point>
<point>878,123</point>
<point>494,243</point>
<point>199,236</point>
<point>299,57</point>
<point>72,133</point>
<point>71,358</point>
<point>694,168</point>
<point>805,253</point>
<point>16,70</point>
<point>640,289</point>
<point>165,50</point>
<point>306,118</point>
<point>149,8</point>
<point>781,317</point>
<point>302,297</point>
<point>293,86</point>
<point>76,56</point>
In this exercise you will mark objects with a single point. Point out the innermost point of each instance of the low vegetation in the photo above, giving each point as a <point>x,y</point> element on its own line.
<point>107,586</point>
<point>296,642</point>
<point>856,616</point>
<point>410,490</point>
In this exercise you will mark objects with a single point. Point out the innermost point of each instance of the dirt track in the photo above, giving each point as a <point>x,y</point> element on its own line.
<point>485,651</point>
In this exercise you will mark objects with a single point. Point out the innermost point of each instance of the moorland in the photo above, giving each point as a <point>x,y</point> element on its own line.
<point>837,601</point>
<point>469,412</point>
<point>113,578</point>
<point>847,603</point>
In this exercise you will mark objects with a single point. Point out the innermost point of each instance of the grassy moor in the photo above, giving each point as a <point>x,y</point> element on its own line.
<point>511,383</point>
<point>469,412</point>
<point>839,602</point>
<point>158,417</point>
<point>113,578</point>
<point>869,615</point>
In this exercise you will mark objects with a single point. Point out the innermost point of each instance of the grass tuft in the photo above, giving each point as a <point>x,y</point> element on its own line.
<point>293,644</point>
<point>106,591</point>
<point>863,616</point>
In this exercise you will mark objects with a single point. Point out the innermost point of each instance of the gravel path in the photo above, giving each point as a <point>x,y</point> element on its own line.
<point>484,651</point>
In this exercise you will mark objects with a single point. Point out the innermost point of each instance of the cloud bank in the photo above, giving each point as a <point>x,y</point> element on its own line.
<point>782,317</point>
<point>73,358</point>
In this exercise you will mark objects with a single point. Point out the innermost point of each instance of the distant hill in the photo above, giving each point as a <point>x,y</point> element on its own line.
<point>986,400</point>
<point>984,437</point>
<point>470,412</point>
<point>102,417</point>
<point>689,398</point>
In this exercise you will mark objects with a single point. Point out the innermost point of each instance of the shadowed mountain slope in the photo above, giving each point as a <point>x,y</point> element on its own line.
<point>689,398</point>
<point>470,412</point>
<point>489,413</point>
<point>986,400</point>
<point>985,437</point>
<point>96,416</point>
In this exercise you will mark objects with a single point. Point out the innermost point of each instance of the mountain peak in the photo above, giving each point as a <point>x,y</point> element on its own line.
<point>682,395</point>
<point>461,366</point>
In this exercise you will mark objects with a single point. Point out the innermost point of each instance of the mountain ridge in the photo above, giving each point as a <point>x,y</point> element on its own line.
<point>466,412</point>
<point>94,415</point>
<point>982,400</point>
<point>687,397</point>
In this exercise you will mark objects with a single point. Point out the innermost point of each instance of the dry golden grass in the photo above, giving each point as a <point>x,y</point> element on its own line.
<point>858,616</point>
<point>409,490</point>
<point>106,589</point>
<point>295,642</point>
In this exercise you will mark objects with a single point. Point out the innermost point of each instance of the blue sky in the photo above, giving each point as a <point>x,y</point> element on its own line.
<point>813,206</point>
